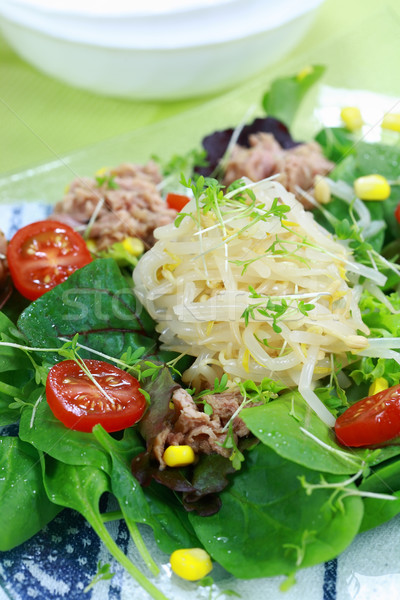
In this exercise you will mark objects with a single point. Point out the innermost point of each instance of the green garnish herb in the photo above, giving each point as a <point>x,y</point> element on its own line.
<point>103,573</point>
<point>108,181</point>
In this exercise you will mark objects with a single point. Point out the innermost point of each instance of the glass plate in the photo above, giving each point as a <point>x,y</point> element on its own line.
<point>61,560</point>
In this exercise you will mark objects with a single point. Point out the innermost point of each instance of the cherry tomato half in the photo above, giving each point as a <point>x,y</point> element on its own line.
<point>371,421</point>
<point>397,213</point>
<point>43,254</point>
<point>78,403</point>
<point>177,201</point>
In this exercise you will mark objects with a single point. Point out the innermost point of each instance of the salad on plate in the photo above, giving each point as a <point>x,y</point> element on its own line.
<point>209,349</point>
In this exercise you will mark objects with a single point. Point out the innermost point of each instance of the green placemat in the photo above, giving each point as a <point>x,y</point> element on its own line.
<point>42,118</point>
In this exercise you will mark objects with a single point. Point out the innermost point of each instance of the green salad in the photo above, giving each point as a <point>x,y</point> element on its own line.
<point>284,304</point>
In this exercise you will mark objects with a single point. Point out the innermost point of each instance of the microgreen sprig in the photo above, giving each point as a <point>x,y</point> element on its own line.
<point>275,311</point>
<point>103,573</point>
<point>107,180</point>
<point>342,489</point>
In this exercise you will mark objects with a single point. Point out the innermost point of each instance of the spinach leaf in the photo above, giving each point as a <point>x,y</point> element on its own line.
<point>337,143</point>
<point>360,159</point>
<point>45,432</point>
<point>124,486</point>
<point>379,158</point>
<point>286,94</point>
<point>269,526</point>
<point>24,504</point>
<point>11,359</point>
<point>80,488</point>
<point>383,480</point>
<point>7,415</point>
<point>384,160</point>
<point>285,425</point>
<point>174,529</point>
<point>143,505</point>
<point>16,371</point>
<point>95,302</point>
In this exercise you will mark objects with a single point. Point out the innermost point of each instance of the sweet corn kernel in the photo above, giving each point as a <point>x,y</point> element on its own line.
<point>304,72</point>
<point>191,563</point>
<point>372,187</point>
<point>102,171</point>
<point>351,118</point>
<point>92,246</point>
<point>377,386</point>
<point>179,456</point>
<point>133,245</point>
<point>391,121</point>
<point>322,191</point>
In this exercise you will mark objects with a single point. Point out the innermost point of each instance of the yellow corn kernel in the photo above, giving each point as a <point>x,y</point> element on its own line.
<point>304,72</point>
<point>102,171</point>
<point>377,386</point>
<point>133,245</point>
<point>179,456</point>
<point>351,118</point>
<point>191,563</point>
<point>322,190</point>
<point>372,187</point>
<point>391,121</point>
<point>91,245</point>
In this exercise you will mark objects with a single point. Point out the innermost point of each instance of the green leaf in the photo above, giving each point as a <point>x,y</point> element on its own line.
<point>286,94</point>
<point>80,488</point>
<point>383,480</point>
<point>119,252</point>
<point>269,526</point>
<point>107,180</point>
<point>143,505</point>
<point>103,573</point>
<point>24,504</point>
<point>124,486</point>
<point>95,302</point>
<point>337,143</point>
<point>43,430</point>
<point>16,371</point>
<point>174,530</point>
<point>287,424</point>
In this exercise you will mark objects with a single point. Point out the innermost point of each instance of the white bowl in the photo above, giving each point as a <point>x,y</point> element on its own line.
<point>189,49</point>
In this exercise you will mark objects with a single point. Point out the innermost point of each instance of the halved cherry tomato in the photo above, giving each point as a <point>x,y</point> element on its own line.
<point>43,254</point>
<point>372,421</point>
<point>177,201</point>
<point>78,403</point>
<point>397,213</point>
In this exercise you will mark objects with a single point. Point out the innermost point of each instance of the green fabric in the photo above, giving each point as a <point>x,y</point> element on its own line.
<point>42,118</point>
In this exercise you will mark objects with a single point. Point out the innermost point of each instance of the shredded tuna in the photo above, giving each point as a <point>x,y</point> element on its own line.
<point>224,407</point>
<point>135,208</point>
<point>191,426</point>
<point>296,166</point>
